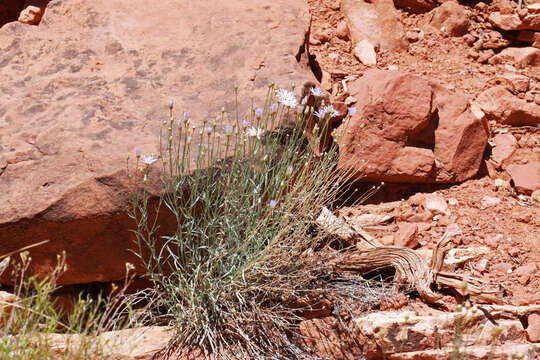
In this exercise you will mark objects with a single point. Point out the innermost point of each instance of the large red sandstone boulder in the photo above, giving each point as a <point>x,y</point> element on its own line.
<point>410,130</point>
<point>91,83</point>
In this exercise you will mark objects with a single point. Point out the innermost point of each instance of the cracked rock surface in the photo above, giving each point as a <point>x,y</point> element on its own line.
<point>91,83</point>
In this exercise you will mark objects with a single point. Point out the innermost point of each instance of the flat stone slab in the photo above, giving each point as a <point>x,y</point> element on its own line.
<point>91,84</point>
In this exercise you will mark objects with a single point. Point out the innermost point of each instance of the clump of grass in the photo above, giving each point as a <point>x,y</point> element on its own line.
<point>245,198</point>
<point>34,326</point>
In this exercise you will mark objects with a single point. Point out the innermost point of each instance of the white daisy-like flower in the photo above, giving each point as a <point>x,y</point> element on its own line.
<point>320,114</point>
<point>255,132</point>
<point>148,159</point>
<point>326,111</point>
<point>287,98</point>
<point>316,91</point>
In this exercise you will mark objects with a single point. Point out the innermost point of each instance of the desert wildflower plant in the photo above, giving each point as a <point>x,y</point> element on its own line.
<point>35,326</point>
<point>245,198</point>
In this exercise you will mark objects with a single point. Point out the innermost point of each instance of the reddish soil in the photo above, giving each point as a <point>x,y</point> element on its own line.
<point>436,56</point>
<point>508,230</point>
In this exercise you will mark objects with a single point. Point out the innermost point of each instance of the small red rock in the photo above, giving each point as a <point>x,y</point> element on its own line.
<point>488,201</point>
<point>514,251</point>
<point>533,329</point>
<point>526,177</point>
<point>407,235</point>
<point>502,267</point>
<point>469,39</point>
<point>481,265</point>
<point>502,106</point>
<point>342,30</point>
<point>376,22</point>
<point>451,19</point>
<point>494,40</point>
<point>522,12</point>
<point>504,6</point>
<point>505,146</point>
<point>420,217</point>
<point>413,36</point>
<point>423,226</point>
<point>387,240</point>
<point>436,204</point>
<point>322,35</point>
<point>525,272</point>
<point>473,54</point>
<point>535,196</point>
<point>521,57</point>
<point>31,14</point>
<point>485,56</point>
<point>514,82</point>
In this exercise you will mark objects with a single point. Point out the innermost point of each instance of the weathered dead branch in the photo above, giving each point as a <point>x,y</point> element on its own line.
<point>410,267</point>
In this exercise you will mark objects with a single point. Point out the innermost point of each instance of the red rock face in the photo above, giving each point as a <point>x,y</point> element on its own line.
<point>407,129</point>
<point>9,10</point>
<point>92,85</point>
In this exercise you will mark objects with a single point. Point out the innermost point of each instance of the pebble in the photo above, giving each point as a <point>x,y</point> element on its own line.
<point>488,201</point>
<point>342,30</point>
<point>365,52</point>
<point>502,267</point>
